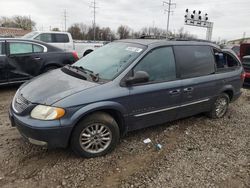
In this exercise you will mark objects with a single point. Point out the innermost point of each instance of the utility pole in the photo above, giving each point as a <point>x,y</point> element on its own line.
<point>168,10</point>
<point>30,23</point>
<point>93,5</point>
<point>65,20</point>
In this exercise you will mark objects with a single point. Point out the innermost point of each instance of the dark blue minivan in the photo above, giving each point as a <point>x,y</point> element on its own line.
<point>124,86</point>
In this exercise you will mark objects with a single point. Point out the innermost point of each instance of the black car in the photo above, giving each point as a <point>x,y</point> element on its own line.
<point>21,60</point>
<point>124,86</point>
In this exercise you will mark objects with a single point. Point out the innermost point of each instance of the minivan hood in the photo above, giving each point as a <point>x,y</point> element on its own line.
<point>52,87</point>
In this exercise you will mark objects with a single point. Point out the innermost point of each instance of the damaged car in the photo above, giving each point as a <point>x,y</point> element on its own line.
<point>21,60</point>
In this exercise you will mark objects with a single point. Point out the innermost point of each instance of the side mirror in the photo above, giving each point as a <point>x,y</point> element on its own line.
<point>139,77</point>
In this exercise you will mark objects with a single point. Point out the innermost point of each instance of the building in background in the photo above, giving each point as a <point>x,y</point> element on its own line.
<point>12,32</point>
<point>239,41</point>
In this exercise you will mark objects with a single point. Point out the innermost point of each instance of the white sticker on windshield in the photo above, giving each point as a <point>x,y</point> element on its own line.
<point>134,49</point>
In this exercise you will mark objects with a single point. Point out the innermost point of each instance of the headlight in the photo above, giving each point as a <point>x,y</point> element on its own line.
<point>47,112</point>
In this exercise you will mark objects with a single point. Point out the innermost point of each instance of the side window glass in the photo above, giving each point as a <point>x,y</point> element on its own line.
<point>37,49</point>
<point>225,60</point>
<point>231,61</point>
<point>194,61</point>
<point>20,48</point>
<point>1,48</point>
<point>61,38</point>
<point>159,64</point>
<point>45,37</point>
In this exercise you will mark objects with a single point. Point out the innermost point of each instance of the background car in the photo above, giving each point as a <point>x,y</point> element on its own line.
<point>246,65</point>
<point>244,50</point>
<point>235,48</point>
<point>64,41</point>
<point>21,60</point>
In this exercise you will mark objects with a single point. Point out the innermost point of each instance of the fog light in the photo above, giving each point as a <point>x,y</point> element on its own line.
<point>37,142</point>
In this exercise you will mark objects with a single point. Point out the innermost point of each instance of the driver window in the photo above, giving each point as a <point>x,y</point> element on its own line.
<point>159,64</point>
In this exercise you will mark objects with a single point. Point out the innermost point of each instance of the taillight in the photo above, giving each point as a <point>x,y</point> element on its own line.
<point>243,76</point>
<point>75,56</point>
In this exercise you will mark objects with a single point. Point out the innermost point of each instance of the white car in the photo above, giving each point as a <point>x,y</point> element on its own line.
<point>64,41</point>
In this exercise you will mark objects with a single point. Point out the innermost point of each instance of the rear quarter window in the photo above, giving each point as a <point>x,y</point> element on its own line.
<point>37,48</point>
<point>225,61</point>
<point>194,61</point>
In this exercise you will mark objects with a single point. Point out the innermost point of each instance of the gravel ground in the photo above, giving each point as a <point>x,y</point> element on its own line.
<point>197,152</point>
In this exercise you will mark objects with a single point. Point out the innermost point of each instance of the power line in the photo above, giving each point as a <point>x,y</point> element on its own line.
<point>168,10</point>
<point>93,5</point>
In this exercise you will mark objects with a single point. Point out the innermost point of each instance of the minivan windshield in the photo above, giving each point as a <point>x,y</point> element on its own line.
<point>108,61</point>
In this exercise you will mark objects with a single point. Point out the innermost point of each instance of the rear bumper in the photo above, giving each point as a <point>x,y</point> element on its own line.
<point>51,137</point>
<point>236,96</point>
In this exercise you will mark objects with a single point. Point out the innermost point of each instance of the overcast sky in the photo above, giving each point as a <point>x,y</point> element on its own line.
<point>230,17</point>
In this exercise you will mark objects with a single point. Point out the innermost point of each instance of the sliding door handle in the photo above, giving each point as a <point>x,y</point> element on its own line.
<point>175,92</point>
<point>188,90</point>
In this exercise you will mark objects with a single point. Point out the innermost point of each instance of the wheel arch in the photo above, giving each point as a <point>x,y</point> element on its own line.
<point>229,91</point>
<point>52,64</point>
<point>88,51</point>
<point>115,110</point>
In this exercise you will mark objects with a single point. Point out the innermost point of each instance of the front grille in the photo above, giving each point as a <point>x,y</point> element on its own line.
<point>20,104</point>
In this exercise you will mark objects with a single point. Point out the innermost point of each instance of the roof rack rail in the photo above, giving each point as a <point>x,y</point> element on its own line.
<point>187,39</point>
<point>152,37</point>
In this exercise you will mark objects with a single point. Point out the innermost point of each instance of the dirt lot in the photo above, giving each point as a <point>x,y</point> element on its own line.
<point>197,152</point>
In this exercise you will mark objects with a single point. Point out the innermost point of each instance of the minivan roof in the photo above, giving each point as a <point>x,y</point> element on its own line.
<point>149,42</point>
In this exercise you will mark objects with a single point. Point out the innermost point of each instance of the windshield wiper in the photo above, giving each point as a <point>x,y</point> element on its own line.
<point>94,76</point>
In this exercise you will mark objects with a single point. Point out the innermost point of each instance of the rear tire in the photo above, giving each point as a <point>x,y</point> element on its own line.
<point>220,106</point>
<point>95,136</point>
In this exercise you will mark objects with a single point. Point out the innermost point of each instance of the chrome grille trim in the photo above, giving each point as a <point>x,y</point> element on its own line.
<point>20,104</point>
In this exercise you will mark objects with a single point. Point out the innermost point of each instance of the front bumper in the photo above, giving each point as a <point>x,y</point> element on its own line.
<point>55,136</point>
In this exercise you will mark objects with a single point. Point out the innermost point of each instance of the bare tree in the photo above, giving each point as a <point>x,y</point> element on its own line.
<point>123,32</point>
<point>75,31</point>
<point>23,22</point>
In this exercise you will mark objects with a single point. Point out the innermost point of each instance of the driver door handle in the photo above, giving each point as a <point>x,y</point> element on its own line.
<point>37,58</point>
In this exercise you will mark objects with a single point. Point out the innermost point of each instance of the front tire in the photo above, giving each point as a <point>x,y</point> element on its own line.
<point>220,106</point>
<point>95,136</point>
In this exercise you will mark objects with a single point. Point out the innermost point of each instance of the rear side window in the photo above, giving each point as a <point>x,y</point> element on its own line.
<point>45,37</point>
<point>24,48</point>
<point>225,61</point>
<point>1,48</point>
<point>194,61</point>
<point>60,38</point>
<point>159,64</point>
<point>20,48</point>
